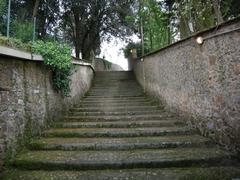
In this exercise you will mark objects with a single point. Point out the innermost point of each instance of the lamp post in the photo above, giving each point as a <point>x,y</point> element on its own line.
<point>8,16</point>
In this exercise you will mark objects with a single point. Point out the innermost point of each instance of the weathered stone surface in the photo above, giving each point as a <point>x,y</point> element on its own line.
<point>201,81</point>
<point>216,173</point>
<point>91,160</point>
<point>119,124</point>
<point>117,132</point>
<point>129,143</point>
<point>157,143</point>
<point>28,102</point>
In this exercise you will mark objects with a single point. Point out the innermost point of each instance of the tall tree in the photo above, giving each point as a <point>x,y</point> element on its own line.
<point>87,22</point>
<point>155,20</point>
<point>47,18</point>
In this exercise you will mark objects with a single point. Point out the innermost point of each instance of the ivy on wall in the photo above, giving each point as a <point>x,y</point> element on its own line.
<point>58,58</point>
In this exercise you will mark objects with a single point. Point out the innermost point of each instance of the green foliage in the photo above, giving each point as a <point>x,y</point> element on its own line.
<point>14,43</point>
<point>3,10</point>
<point>22,30</point>
<point>155,22</point>
<point>94,21</point>
<point>2,6</point>
<point>58,57</point>
<point>130,46</point>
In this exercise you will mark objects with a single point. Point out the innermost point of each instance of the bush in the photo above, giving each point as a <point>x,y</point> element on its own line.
<point>15,43</point>
<point>23,30</point>
<point>58,57</point>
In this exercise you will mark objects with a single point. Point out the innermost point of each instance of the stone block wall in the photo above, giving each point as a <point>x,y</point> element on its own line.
<point>200,81</point>
<point>28,102</point>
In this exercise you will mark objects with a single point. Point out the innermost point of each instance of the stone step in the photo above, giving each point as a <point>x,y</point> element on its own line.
<point>116,119</point>
<point>93,160</point>
<point>106,94</point>
<point>116,113</point>
<point>115,83</point>
<point>118,108</point>
<point>115,88</point>
<point>114,80</point>
<point>116,100</point>
<point>112,104</point>
<point>118,124</point>
<point>131,96</point>
<point>117,95</point>
<point>131,143</point>
<point>118,132</point>
<point>124,91</point>
<point>191,173</point>
<point>119,117</point>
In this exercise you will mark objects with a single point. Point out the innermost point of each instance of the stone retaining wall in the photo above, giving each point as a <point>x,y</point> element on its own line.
<point>28,102</point>
<point>200,81</point>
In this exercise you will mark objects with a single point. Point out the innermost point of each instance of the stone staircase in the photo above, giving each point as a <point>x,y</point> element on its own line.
<point>116,132</point>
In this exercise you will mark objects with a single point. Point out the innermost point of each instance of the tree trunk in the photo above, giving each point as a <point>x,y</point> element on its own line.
<point>169,40</point>
<point>35,9</point>
<point>77,36</point>
<point>77,53</point>
<point>86,54</point>
<point>183,25</point>
<point>217,11</point>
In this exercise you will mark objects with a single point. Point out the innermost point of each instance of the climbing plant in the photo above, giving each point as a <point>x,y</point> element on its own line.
<point>58,57</point>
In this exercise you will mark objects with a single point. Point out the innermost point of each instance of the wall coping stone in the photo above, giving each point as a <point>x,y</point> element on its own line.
<point>7,51</point>
<point>201,33</point>
<point>82,63</point>
<point>22,55</point>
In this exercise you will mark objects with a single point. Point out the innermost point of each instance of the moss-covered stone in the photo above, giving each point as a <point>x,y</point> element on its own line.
<point>214,173</point>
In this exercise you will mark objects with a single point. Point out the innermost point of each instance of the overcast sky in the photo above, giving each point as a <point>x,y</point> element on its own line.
<point>112,51</point>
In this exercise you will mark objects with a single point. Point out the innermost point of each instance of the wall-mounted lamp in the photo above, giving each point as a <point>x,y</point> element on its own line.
<point>200,40</point>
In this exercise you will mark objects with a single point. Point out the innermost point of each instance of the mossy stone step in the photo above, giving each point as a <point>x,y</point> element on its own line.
<point>96,104</point>
<point>120,117</point>
<point>115,95</point>
<point>192,173</point>
<point>117,132</point>
<point>112,119</point>
<point>96,160</point>
<point>116,90</point>
<point>110,108</point>
<point>112,104</point>
<point>117,87</point>
<point>117,98</point>
<point>118,124</point>
<point>119,143</point>
<point>116,113</point>
<point>109,101</point>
